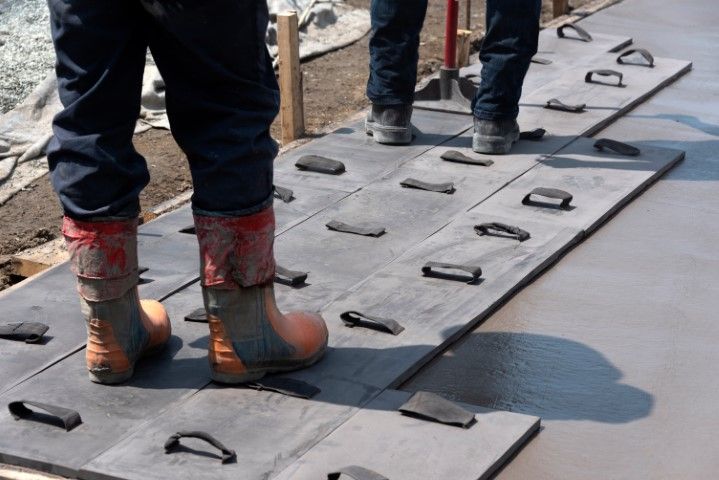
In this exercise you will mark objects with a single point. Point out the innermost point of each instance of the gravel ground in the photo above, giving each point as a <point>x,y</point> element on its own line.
<point>26,53</point>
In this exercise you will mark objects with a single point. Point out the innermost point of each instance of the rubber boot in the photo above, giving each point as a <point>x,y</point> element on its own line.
<point>249,337</point>
<point>390,124</point>
<point>494,137</point>
<point>121,328</point>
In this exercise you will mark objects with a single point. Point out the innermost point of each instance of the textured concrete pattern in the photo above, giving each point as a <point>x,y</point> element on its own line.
<point>615,347</point>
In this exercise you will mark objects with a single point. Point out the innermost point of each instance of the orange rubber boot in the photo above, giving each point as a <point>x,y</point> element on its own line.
<point>249,337</point>
<point>120,327</point>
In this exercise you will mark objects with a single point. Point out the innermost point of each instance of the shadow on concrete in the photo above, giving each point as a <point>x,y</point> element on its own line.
<point>551,377</point>
<point>688,120</point>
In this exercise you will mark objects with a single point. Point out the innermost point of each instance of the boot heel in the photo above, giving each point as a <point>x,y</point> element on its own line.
<point>393,137</point>
<point>110,378</point>
<point>388,135</point>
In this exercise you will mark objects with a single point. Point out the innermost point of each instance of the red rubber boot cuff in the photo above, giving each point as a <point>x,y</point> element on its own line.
<point>236,251</point>
<point>103,255</point>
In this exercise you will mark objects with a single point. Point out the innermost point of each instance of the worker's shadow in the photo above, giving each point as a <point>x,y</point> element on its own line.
<point>541,375</point>
<point>547,376</point>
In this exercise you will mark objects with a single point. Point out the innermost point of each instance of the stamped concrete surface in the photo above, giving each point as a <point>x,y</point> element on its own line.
<point>615,347</point>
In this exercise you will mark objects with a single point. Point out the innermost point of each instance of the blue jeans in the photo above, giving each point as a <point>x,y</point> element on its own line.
<point>221,96</point>
<point>508,47</point>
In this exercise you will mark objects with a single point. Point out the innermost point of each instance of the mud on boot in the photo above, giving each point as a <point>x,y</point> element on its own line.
<point>249,337</point>
<point>494,137</point>
<point>121,328</point>
<point>390,124</point>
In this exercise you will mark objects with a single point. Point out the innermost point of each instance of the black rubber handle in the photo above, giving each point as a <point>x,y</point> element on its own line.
<point>553,193</point>
<point>534,135</point>
<point>430,187</point>
<point>69,418</point>
<point>541,61</point>
<point>316,163</point>
<point>358,319</point>
<point>582,34</point>
<point>430,406</point>
<point>29,332</point>
<point>556,104</point>
<point>604,73</point>
<point>282,193</point>
<point>641,51</point>
<point>197,315</point>
<point>493,228</point>
<point>288,277</point>
<point>429,271</point>
<point>173,442</point>
<point>365,230</point>
<point>285,386</point>
<point>617,147</point>
<point>459,157</point>
<point>356,472</point>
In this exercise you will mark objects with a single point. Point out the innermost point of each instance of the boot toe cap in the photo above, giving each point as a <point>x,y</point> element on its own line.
<point>156,321</point>
<point>313,333</point>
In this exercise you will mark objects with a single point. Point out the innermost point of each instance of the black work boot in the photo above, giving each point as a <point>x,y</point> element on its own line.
<point>390,124</point>
<point>494,136</point>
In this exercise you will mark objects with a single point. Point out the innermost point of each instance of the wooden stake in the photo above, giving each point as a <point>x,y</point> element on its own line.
<point>34,260</point>
<point>463,47</point>
<point>292,116</point>
<point>468,15</point>
<point>559,7</point>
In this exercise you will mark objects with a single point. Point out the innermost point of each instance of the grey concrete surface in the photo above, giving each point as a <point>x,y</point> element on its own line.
<point>346,382</point>
<point>615,347</point>
<point>381,439</point>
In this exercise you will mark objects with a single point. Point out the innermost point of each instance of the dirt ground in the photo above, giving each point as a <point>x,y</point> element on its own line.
<point>334,88</point>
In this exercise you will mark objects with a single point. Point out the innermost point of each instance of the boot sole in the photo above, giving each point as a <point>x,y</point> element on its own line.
<point>493,145</point>
<point>389,135</point>
<point>111,378</point>
<point>257,374</point>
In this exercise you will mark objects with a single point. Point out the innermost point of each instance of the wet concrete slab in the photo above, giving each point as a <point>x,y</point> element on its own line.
<point>603,102</point>
<point>107,412</point>
<point>433,311</point>
<point>615,346</point>
<point>267,430</point>
<point>600,183</point>
<point>360,363</point>
<point>400,447</point>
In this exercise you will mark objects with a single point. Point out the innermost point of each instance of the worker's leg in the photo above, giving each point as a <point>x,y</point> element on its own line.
<point>222,97</point>
<point>98,175</point>
<point>394,51</point>
<point>100,59</point>
<point>508,47</point>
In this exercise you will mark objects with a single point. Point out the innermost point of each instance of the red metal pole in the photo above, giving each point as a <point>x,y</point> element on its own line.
<point>450,34</point>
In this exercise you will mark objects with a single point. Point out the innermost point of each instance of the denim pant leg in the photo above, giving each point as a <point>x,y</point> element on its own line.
<point>394,50</point>
<point>508,47</point>
<point>100,59</point>
<point>221,96</point>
